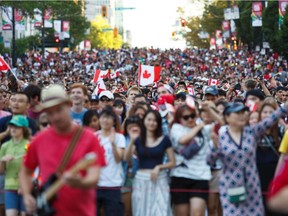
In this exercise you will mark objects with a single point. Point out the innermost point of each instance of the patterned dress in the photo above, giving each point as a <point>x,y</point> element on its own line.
<point>239,167</point>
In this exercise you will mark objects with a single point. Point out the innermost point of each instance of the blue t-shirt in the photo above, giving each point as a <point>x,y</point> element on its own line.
<point>149,157</point>
<point>78,117</point>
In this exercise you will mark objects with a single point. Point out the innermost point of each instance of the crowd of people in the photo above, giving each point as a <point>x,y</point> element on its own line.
<point>208,138</point>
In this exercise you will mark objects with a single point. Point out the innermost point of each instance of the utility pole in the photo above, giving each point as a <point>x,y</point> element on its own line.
<point>43,30</point>
<point>14,59</point>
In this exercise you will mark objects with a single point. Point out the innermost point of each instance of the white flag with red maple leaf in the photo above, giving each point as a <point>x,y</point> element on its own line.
<point>4,67</point>
<point>251,105</point>
<point>213,82</point>
<point>100,75</point>
<point>190,90</point>
<point>114,75</point>
<point>99,87</point>
<point>148,74</point>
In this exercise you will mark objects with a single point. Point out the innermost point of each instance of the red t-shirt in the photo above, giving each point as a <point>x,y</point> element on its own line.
<point>279,182</point>
<point>46,151</point>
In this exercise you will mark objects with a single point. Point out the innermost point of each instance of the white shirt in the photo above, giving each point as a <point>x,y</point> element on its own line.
<point>197,167</point>
<point>111,175</point>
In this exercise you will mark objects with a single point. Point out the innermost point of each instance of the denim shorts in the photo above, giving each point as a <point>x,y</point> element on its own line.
<point>13,200</point>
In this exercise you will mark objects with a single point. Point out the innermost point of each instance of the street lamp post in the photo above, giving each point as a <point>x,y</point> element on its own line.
<point>43,31</point>
<point>14,59</point>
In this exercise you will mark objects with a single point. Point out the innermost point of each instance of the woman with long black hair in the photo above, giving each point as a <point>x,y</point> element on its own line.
<point>150,195</point>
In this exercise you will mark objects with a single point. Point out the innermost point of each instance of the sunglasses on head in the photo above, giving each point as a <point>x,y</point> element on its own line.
<point>186,117</point>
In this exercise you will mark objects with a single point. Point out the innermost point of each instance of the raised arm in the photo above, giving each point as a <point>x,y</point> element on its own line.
<point>260,128</point>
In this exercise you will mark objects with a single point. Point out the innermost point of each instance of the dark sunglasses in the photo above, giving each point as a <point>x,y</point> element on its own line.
<point>186,117</point>
<point>44,124</point>
<point>105,99</point>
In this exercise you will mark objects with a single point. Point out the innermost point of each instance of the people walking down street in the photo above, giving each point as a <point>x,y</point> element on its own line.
<point>49,150</point>
<point>240,189</point>
<point>11,155</point>
<point>150,193</point>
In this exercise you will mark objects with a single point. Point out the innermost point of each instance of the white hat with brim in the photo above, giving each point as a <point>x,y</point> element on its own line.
<point>53,95</point>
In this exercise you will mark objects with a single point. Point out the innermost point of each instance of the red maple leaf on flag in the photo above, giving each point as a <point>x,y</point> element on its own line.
<point>146,75</point>
<point>3,64</point>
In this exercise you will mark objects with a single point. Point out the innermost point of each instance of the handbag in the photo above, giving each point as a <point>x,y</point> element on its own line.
<point>191,149</point>
<point>237,194</point>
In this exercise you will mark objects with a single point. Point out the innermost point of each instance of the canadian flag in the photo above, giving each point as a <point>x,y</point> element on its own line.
<point>114,75</point>
<point>3,65</point>
<point>251,105</point>
<point>190,90</point>
<point>190,102</point>
<point>213,82</point>
<point>99,87</point>
<point>148,74</point>
<point>100,75</point>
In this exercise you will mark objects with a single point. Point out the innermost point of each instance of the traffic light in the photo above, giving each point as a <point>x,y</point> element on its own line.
<point>57,40</point>
<point>183,22</point>
<point>104,11</point>
<point>173,34</point>
<point>115,32</point>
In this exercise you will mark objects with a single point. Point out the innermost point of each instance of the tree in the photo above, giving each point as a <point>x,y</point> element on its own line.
<point>283,39</point>
<point>63,10</point>
<point>213,16</point>
<point>192,37</point>
<point>270,25</point>
<point>24,44</point>
<point>101,35</point>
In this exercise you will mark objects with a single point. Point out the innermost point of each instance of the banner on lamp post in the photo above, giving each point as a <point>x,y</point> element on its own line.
<point>225,29</point>
<point>48,23</point>
<point>66,28</point>
<point>57,28</point>
<point>37,18</point>
<point>282,4</point>
<point>6,18</point>
<point>212,43</point>
<point>256,14</point>
<point>20,23</point>
<point>219,39</point>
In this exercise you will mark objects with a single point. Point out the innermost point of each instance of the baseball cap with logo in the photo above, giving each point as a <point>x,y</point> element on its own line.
<point>53,95</point>
<point>19,121</point>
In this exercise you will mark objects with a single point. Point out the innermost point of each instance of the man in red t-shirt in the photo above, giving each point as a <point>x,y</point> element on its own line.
<point>77,196</point>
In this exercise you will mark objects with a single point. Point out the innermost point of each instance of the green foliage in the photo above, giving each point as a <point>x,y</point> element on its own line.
<point>210,22</point>
<point>244,24</point>
<point>283,39</point>
<point>3,49</point>
<point>192,37</point>
<point>103,39</point>
<point>63,10</point>
<point>24,44</point>
<point>213,16</point>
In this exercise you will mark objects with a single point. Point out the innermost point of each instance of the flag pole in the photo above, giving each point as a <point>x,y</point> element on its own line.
<point>139,68</point>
